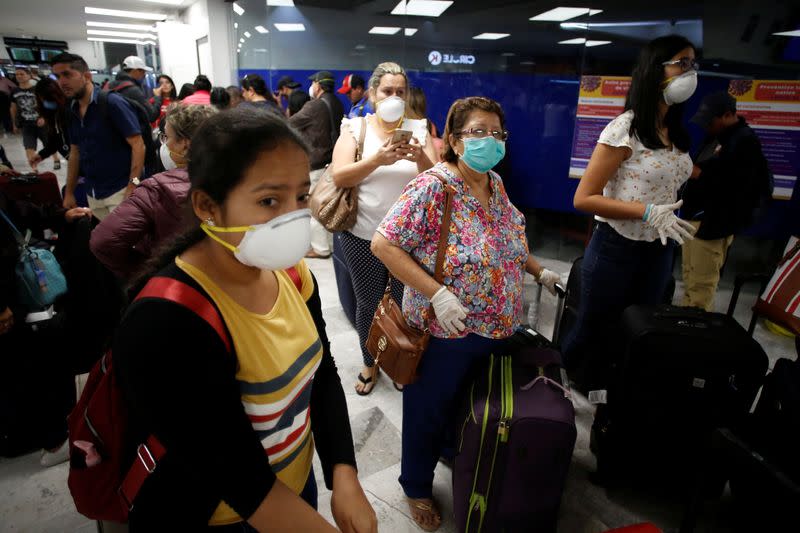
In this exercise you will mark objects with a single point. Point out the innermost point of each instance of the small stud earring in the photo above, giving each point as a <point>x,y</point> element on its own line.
<point>209,221</point>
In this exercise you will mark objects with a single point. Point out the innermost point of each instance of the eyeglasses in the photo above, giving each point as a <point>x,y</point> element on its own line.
<point>685,63</point>
<point>479,133</point>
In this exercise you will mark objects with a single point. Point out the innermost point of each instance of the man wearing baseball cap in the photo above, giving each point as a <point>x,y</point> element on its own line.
<point>356,90</point>
<point>318,122</point>
<point>731,179</point>
<point>128,83</point>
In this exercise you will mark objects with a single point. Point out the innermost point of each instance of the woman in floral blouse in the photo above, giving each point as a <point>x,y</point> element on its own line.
<point>481,299</point>
<point>631,186</point>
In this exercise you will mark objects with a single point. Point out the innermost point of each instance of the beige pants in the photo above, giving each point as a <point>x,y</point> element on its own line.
<point>321,239</point>
<point>702,261</point>
<point>103,207</point>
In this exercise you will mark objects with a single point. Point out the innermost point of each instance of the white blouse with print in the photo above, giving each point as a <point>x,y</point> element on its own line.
<point>648,176</point>
<point>381,189</point>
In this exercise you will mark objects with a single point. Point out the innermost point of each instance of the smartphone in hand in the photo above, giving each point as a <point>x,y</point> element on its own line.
<point>401,136</point>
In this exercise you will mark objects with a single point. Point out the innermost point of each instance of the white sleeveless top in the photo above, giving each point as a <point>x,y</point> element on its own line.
<point>381,189</point>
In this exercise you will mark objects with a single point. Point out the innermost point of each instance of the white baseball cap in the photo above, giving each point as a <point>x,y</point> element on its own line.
<point>134,62</point>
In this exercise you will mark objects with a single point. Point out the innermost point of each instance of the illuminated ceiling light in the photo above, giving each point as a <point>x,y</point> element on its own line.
<point>112,40</point>
<point>410,31</point>
<point>794,33</point>
<point>241,40</point>
<point>578,40</point>
<point>235,25</point>
<point>124,14</point>
<point>112,33</point>
<point>247,34</point>
<point>384,30</point>
<point>591,43</point>
<point>289,27</point>
<point>239,10</point>
<point>261,29</point>
<point>491,36</point>
<point>141,27</point>
<point>421,8</point>
<point>560,14</point>
<point>280,3</point>
<point>168,2</point>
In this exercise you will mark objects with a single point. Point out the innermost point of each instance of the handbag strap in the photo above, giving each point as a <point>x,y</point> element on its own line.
<point>444,234</point>
<point>361,136</point>
<point>17,235</point>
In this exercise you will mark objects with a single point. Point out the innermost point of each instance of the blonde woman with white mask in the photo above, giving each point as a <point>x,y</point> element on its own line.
<point>383,171</point>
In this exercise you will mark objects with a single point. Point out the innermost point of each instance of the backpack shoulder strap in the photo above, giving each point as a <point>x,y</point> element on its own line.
<point>330,115</point>
<point>189,297</point>
<point>294,275</point>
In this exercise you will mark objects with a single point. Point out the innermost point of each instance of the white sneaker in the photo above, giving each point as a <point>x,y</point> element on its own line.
<point>57,457</point>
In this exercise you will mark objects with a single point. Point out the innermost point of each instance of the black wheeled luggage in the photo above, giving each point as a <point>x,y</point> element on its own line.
<point>681,373</point>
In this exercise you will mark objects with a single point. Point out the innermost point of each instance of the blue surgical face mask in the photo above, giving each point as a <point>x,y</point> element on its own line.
<point>50,105</point>
<point>481,155</point>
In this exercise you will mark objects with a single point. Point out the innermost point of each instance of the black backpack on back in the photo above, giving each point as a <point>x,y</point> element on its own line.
<point>150,153</point>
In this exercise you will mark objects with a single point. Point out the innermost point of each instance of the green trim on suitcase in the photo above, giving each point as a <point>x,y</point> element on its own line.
<point>477,501</point>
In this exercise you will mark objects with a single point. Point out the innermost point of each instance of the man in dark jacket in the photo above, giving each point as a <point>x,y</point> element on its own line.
<point>731,179</point>
<point>128,83</point>
<point>318,122</point>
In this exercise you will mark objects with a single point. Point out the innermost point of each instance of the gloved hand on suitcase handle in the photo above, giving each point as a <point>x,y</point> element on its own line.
<point>548,279</point>
<point>449,311</point>
<point>663,219</point>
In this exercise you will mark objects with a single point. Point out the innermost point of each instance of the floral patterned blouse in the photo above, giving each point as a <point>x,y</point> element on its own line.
<point>647,176</point>
<point>486,251</point>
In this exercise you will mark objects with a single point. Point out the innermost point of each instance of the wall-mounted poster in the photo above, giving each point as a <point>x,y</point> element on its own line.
<point>772,108</point>
<point>600,100</point>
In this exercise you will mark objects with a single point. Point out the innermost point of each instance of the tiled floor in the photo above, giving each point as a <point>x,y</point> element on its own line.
<point>34,499</point>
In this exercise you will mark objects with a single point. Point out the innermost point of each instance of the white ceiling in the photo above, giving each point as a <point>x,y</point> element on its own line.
<point>65,19</point>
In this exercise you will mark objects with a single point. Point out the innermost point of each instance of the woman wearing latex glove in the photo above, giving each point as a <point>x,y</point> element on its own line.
<point>662,217</point>
<point>546,277</point>
<point>481,300</point>
<point>631,185</point>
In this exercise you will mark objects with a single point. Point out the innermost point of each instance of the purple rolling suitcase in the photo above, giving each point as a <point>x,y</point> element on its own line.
<point>517,434</point>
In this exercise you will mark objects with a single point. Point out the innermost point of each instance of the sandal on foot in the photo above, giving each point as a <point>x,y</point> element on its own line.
<point>369,384</point>
<point>397,386</point>
<point>422,509</point>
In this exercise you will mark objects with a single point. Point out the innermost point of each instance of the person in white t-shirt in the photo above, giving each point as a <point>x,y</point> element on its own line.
<point>631,186</point>
<point>384,169</point>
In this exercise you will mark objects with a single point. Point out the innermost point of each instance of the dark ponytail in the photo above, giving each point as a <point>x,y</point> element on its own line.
<point>223,148</point>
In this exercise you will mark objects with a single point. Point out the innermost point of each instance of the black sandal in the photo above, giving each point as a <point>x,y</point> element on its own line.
<point>397,386</point>
<point>367,382</point>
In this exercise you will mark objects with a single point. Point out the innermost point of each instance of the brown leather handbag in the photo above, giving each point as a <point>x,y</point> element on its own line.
<point>336,208</point>
<point>397,346</point>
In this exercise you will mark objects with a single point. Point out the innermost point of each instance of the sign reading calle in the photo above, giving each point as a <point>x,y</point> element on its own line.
<point>436,58</point>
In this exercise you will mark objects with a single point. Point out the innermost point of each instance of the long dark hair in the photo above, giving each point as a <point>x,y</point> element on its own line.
<point>174,93</point>
<point>187,89</point>
<point>222,149</point>
<point>257,83</point>
<point>48,89</point>
<point>647,91</point>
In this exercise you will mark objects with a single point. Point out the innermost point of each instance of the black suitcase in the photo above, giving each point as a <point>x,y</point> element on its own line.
<point>40,189</point>
<point>681,373</point>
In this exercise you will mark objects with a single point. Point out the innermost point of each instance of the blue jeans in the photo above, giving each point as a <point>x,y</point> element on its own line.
<point>429,405</point>
<point>309,494</point>
<point>617,272</point>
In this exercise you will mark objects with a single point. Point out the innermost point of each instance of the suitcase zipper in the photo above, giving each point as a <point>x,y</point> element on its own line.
<point>477,502</point>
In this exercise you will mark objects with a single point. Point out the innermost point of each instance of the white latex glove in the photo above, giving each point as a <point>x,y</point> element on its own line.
<point>663,219</point>
<point>548,279</point>
<point>449,311</point>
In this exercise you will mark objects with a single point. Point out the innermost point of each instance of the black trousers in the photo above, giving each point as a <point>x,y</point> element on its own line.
<point>369,277</point>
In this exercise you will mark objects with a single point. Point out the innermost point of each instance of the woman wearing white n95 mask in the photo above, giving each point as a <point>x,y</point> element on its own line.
<point>384,169</point>
<point>480,302</point>
<point>631,186</point>
<point>251,370</point>
<point>125,238</point>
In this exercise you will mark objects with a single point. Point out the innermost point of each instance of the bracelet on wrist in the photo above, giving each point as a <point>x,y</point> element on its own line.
<point>647,212</point>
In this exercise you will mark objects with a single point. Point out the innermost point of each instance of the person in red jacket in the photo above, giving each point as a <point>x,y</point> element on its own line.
<point>127,237</point>
<point>163,96</point>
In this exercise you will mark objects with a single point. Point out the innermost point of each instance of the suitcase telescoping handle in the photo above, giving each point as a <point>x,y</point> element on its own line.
<point>562,295</point>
